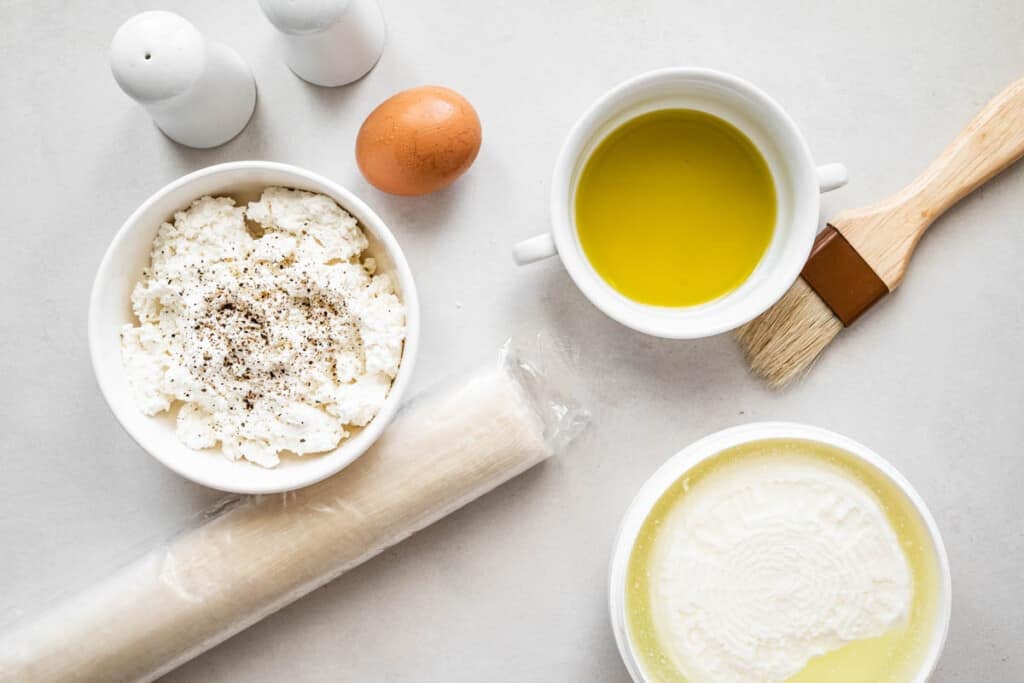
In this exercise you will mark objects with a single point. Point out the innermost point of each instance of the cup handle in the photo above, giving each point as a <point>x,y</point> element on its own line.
<point>831,177</point>
<point>534,249</point>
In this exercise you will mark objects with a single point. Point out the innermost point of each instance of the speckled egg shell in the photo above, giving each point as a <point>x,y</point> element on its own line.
<point>418,141</point>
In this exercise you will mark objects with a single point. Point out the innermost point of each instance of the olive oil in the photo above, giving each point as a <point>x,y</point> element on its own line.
<point>675,208</point>
<point>891,658</point>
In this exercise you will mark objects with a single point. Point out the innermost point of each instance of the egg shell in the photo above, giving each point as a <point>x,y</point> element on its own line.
<point>418,141</point>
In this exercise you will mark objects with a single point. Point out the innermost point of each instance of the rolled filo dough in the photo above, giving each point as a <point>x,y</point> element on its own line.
<point>262,553</point>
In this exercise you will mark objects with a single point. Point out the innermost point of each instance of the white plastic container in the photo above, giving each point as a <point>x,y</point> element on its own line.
<point>328,42</point>
<point>110,309</point>
<point>200,93</point>
<point>712,445</point>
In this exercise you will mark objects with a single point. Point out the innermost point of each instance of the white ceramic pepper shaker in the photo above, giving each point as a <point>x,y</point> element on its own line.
<point>199,92</point>
<point>329,42</point>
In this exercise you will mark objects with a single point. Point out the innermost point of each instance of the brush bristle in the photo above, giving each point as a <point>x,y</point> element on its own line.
<point>782,342</point>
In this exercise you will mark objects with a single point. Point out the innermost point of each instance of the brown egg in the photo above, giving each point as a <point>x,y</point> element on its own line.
<point>418,141</point>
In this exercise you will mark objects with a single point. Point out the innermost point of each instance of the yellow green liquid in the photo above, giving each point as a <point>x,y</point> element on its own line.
<point>676,207</point>
<point>892,658</point>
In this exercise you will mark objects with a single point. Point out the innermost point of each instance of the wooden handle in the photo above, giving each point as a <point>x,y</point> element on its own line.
<point>885,234</point>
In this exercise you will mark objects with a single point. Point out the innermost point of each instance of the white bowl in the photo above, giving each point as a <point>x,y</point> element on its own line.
<point>712,445</point>
<point>798,184</point>
<point>110,309</point>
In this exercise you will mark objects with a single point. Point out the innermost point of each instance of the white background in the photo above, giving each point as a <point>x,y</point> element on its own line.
<point>512,588</point>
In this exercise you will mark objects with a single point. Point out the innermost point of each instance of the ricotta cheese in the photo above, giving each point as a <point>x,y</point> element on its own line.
<point>759,568</point>
<point>265,324</point>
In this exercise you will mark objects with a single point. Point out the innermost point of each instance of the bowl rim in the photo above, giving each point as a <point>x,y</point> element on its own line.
<point>370,221</point>
<point>710,446</point>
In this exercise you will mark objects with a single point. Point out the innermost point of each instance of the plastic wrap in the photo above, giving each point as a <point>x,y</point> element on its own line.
<point>254,555</point>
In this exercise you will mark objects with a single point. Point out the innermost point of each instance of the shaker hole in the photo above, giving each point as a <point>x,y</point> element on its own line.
<point>148,55</point>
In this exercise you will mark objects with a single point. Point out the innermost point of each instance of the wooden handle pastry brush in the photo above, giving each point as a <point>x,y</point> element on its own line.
<point>862,254</point>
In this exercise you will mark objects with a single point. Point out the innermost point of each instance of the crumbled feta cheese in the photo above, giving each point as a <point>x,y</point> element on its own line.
<point>274,338</point>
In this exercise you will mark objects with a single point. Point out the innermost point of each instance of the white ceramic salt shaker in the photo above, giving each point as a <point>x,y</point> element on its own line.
<point>199,92</point>
<point>328,42</point>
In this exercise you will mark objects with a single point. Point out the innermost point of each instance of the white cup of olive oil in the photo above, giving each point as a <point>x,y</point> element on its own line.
<point>684,203</point>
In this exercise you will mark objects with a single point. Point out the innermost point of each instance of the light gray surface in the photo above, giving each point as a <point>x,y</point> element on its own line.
<point>512,588</point>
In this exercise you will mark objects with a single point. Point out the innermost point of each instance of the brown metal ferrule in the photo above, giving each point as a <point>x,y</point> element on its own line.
<point>841,276</point>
